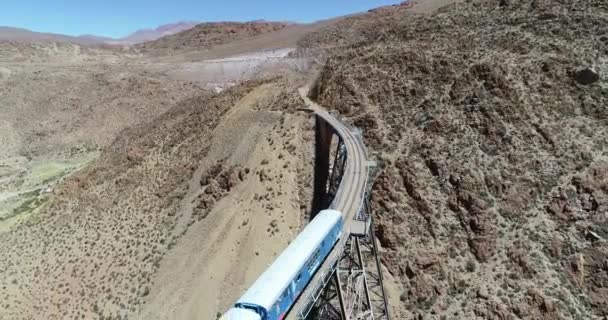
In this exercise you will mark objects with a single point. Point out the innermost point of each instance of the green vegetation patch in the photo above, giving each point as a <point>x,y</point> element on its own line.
<point>49,172</point>
<point>23,192</point>
<point>26,203</point>
<point>29,205</point>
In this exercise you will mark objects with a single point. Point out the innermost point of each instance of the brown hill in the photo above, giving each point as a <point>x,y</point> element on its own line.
<point>139,36</point>
<point>490,120</point>
<point>145,35</point>
<point>210,34</point>
<point>99,241</point>
<point>24,35</point>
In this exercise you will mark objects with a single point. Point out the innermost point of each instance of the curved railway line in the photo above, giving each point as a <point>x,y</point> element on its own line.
<point>293,284</point>
<point>349,200</point>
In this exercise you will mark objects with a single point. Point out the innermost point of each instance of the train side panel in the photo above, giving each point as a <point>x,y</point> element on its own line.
<point>303,277</point>
<point>274,292</point>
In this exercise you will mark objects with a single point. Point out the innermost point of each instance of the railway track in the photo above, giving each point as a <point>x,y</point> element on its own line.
<point>281,284</point>
<point>348,200</point>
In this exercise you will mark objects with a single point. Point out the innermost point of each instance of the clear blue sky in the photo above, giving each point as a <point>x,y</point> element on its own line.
<point>115,18</point>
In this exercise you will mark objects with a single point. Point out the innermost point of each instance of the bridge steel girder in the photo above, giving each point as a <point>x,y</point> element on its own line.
<point>352,275</point>
<point>354,290</point>
<point>337,171</point>
<point>374,279</point>
<point>330,304</point>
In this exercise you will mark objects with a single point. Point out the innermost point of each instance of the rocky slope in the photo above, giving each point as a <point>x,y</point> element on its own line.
<point>75,257</point>
<point>93,250</point>
<point>210,34</point>
<point>114,174</point>
<point>61,104</point>
<point>490,121</point>
<point>144,35</point>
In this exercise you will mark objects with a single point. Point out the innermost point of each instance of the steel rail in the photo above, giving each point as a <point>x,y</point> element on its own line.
<point>349,200</point>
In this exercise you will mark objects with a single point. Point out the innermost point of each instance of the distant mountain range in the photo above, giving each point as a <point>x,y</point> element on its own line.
<point>24,35</point>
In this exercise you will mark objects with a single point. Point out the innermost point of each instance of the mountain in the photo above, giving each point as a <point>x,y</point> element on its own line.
<point>91,38</point>
<point>208,34</point>
<point>24,35</point>
<point>153,34</point>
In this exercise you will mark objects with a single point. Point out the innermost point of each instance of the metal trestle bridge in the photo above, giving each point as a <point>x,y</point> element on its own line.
<point>348,285</point>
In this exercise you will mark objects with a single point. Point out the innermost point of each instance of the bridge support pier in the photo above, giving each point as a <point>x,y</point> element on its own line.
<point>376,296</point>
<point>323,136</point>
<point>351,289</point>
<point>326,186</point>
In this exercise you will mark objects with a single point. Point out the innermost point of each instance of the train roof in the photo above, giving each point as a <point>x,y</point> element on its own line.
<point>273,282</point>
<point>240,314</point>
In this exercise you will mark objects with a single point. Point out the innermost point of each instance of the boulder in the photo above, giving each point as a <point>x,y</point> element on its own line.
<point>586,76</point>
<point>135,154</point>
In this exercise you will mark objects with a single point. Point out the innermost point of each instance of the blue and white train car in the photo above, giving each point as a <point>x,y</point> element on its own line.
<point>275,291</point>
<point>240,314</point>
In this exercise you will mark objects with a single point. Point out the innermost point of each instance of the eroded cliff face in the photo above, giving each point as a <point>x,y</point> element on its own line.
<point>490,121</point>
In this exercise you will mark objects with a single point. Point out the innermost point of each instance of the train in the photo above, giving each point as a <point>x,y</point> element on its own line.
<point>273,294</point>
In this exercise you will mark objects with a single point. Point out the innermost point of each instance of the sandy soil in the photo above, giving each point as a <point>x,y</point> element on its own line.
<point>253,224</point>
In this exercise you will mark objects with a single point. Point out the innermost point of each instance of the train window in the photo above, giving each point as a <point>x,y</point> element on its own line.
<point>299,277</point>
<point>313,260</point>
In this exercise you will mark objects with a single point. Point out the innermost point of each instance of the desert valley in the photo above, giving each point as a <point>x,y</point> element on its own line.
<point>157,176</point>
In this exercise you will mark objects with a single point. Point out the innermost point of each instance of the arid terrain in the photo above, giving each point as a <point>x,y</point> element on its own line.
<point>207,35</point>
<point>490,121</point>
<point>158,181</point>
<point>124,177</point>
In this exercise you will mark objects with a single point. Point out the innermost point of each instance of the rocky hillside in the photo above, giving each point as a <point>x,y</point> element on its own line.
<point>106,229</point>
<point>210,34</point>
<point>144,35</point>
<point>355,29</point>
<point>490,120</point>
<point>97,246</point>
